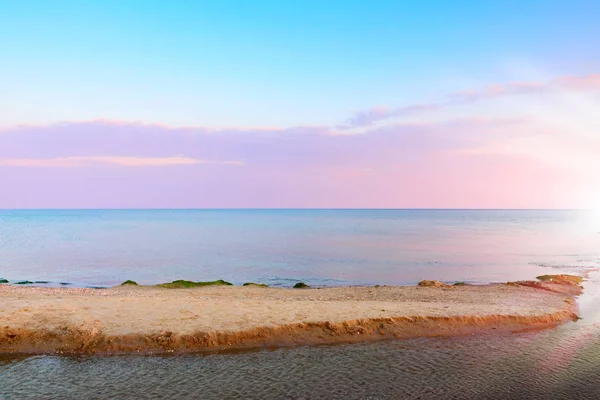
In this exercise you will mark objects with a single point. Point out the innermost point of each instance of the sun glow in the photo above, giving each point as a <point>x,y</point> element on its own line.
<point>594,203</point>
<point>595,218</point>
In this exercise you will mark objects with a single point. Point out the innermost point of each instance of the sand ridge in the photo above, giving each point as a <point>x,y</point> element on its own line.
<point>151,319</point>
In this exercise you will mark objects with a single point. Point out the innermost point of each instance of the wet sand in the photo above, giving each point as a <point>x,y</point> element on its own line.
<point>151,319</point>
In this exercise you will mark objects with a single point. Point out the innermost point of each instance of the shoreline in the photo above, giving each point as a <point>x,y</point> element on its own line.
<point>139,319</point>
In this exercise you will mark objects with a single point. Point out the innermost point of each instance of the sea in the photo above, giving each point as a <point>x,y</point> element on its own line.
<point>102,248</point>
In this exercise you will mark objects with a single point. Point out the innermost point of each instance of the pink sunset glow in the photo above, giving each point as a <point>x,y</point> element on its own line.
<point>411,156</point>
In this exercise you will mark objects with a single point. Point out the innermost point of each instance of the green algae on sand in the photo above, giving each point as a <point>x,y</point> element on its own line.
<point>301,285</point>
<point>182,284</point>
<point>3,280</point>
<point>252,284</point>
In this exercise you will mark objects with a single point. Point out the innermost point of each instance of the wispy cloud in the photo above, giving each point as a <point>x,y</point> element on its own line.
<point>370,116</point>
<point>497,90</point>
<point>90,161</point>
<point>563,83</point>
<point>236,163</point>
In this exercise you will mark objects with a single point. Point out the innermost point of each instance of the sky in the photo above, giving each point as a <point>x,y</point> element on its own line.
<point>311,104</point>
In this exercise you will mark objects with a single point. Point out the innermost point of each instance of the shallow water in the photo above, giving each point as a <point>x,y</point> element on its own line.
<point>359,247</point>
<point>557,364</point>
<point>281,247</point>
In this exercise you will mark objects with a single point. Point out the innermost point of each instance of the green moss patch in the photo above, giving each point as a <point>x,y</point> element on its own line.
<point>301,285</point>
<point>129,282</point>
<point>182,284</point>
<point>3,281</point>
<point>252,284</point>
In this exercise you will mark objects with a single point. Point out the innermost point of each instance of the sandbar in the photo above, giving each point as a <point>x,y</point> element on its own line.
<point>158,320</point>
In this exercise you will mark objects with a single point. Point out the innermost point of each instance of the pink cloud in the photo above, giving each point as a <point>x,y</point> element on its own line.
<point>84,161</point>
<point>589,82</point>
<point>499,90</point>
<point>372,115</point>
<point>403,165</point>
<point>565,83</point>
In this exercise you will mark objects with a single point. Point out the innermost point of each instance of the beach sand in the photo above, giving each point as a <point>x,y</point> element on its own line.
<point>151,319</point>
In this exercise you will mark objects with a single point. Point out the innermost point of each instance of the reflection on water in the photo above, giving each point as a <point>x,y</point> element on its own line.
<point>563,363</point>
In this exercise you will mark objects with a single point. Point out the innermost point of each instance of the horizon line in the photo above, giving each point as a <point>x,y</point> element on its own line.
<point>290,209</point>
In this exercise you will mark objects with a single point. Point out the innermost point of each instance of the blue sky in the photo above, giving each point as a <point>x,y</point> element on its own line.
<point>427,104</point>
<point>274,63</point>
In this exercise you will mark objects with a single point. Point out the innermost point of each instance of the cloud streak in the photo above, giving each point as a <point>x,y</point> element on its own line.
<point>371,116</point>
<point>105,144</point>
<point>82,161</point>
<point>375,114</point>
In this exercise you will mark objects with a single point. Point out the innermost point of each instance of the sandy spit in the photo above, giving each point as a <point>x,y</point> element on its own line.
<point>148,319</point>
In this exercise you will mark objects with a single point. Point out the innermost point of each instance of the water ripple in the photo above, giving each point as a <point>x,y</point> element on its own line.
<point>559,364</point>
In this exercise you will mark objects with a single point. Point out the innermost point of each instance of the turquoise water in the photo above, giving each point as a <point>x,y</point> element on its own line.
<point>281,247</point>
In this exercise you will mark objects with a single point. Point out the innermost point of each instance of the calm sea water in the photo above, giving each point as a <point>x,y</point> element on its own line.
<point>281,247</point>
<point>327,248</point>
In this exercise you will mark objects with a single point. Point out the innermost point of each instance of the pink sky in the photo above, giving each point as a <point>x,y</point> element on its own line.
<point>511,145</point>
